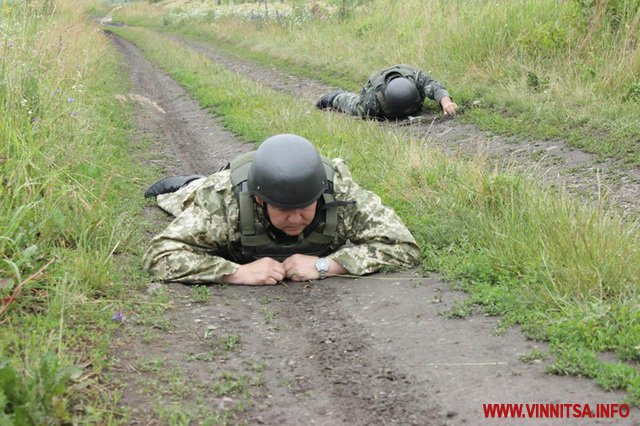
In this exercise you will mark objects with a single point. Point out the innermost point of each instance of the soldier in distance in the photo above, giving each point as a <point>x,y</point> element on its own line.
<point>393,93</point>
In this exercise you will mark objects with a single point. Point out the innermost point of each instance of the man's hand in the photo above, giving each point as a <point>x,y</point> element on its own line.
<point>301,267</point>
<point>448,106</point>
<point>265,271</point>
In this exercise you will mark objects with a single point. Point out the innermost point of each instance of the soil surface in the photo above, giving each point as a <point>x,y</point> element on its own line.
<point>376,350</point>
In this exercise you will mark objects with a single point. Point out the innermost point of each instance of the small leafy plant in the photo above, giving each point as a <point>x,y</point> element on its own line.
<point>201,294</point>
<point>35,398</point>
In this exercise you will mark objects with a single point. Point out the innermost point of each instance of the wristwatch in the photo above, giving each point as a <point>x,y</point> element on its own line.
<point>322,265</point>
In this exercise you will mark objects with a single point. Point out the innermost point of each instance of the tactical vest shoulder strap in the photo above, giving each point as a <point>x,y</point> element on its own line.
<point>330,223</point>
<point>247,217</point>
<point>328,168</point>
<point>240,167</point>
<point>378,79</point>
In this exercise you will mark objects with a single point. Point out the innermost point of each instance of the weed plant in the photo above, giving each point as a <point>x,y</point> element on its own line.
<point>66,203</point>
<point>566,272</point>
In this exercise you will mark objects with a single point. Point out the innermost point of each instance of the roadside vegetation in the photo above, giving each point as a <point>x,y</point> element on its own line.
<point>566,272</point>
<point>69,204</point>
<point>565,69</point>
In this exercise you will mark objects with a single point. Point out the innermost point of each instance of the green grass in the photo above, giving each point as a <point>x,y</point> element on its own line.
<point>200,294</point>
<point>70,185</point>
<point>68,205</point>
<point>544,69</point>
<point>537,258</point>
<point>535,355</point>
<point>177,398</point>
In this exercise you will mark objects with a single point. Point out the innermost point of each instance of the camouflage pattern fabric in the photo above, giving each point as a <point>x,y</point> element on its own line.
<point>191,248</point>
<point>366,104</point>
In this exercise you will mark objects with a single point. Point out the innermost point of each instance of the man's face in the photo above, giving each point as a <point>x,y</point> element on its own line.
<point>291,222</point>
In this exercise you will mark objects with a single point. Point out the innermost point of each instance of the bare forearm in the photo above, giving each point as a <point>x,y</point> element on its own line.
<point>336,269</point>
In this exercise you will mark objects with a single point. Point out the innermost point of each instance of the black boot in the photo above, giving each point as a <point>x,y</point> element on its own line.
<point>327,100</point>
<point>169,184</point>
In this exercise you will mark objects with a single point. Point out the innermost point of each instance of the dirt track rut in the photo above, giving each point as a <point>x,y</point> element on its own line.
<point>370,351</point>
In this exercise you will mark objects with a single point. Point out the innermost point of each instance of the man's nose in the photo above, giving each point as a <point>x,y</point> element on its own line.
<point>295,216</point>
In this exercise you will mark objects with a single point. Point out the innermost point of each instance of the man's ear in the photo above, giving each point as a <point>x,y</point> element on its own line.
<point>259,200</point>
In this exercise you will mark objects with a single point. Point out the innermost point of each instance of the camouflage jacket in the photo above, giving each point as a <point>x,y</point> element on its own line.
<point>191,249</point>
<point>367,104</point>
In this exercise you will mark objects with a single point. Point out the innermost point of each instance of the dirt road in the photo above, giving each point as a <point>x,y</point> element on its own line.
<point>371,351</point>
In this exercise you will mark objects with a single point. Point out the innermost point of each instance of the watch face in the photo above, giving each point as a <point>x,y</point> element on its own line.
<point>322,264</point>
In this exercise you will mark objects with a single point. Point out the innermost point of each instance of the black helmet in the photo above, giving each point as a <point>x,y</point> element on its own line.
<point>401,98</point>
<point>287,172</point>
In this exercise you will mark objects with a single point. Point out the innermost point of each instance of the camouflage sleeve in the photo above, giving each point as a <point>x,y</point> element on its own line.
<point>186,250</point>
<point>379,238</point>
<point>429,87</point>
<point>350,103</point>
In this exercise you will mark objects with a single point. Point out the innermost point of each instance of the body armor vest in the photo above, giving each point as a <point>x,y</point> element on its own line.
<point>259,240</point>
<point>379,83</point>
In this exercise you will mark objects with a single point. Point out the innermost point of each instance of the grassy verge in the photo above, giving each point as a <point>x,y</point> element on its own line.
<point>68,205</point>
<point>566,272</point>
<point>543,69</point>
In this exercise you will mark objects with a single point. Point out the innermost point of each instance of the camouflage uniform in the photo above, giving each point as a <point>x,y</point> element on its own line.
<point>192,248</point>
<point>366,104</point>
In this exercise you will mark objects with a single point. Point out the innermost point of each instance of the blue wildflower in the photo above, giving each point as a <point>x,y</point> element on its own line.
<point>118,316</point>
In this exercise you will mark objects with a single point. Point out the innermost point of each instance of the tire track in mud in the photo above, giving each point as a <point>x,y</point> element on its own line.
<point>369,351</point>
<point>340,357</point>
<point>187,139</point>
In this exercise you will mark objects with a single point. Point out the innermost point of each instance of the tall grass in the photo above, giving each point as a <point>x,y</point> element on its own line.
<point>540,259</point>
<point>552,69</point>
<point>64,207</point>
